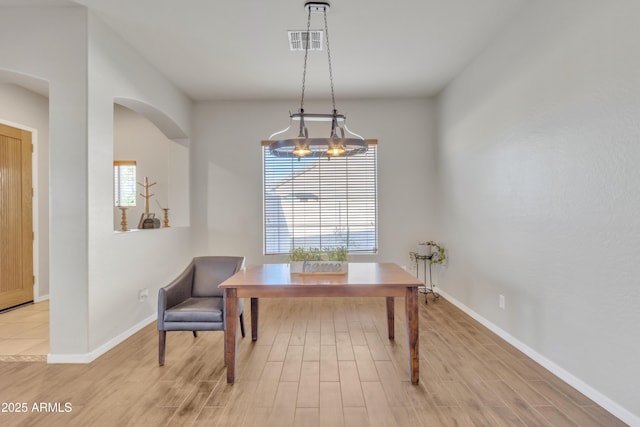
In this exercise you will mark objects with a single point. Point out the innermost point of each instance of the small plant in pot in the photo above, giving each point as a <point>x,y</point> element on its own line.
<point>430,248</point>
<point>319,261</point>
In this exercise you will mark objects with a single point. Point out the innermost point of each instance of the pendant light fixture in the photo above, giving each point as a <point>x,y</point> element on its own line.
<point>340,141</point>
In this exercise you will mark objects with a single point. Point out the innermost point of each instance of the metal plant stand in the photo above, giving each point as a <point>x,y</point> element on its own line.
<point>429,287</point>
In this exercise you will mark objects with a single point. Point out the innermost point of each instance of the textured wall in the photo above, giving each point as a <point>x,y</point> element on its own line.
<point>539,150</point>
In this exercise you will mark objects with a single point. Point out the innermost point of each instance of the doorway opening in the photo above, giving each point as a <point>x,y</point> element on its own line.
<point>16,210</point>
<point>24,112</point>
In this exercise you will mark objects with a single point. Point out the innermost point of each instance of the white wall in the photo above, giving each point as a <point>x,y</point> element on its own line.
<point>51,44</point>
<point>95,274</point>
<point>227,172</point>
<point>540,189</point>
<point>179,173</point>
<point>23,108</point>
<point>121,264</point>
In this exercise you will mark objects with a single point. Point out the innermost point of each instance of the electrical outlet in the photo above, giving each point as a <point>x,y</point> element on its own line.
<point>143,294</point>
<point>501,302</point>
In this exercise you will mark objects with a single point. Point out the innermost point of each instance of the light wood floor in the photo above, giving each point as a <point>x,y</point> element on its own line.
<point>24,333</point>
<point>318,362</point>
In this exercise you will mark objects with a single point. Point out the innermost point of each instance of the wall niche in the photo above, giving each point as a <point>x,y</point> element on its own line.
<point>163,161</point>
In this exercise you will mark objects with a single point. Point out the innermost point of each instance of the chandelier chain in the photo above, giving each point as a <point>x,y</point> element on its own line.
<point>346,143</point>
<point>326,33</point>
<point>306,54</point>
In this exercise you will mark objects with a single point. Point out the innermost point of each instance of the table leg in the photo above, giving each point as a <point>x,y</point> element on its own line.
<point>231,314</point>
<point>254,319</point>
<point>411,301</point>
<point>390,314</point>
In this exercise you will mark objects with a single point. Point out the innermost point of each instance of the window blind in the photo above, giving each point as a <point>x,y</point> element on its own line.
<point>320,202</point>
<point>124,182</point>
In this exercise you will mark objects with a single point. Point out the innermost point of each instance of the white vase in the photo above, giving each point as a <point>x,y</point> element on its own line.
<point>424,250</point>
<point>295,267</point>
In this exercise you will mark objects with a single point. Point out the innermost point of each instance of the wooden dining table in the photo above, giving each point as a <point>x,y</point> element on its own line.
<point>362,280</point>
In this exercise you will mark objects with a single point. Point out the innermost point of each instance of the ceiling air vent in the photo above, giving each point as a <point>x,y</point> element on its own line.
<point>298,39</point>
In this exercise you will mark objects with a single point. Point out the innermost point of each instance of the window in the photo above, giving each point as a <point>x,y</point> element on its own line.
<point>124,181</point>
<point>320,203</point>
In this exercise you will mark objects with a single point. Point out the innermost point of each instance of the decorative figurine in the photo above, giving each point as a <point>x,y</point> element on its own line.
<point>123,222</point>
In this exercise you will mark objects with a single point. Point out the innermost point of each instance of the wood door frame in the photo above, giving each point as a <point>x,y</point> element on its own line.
<point>34,206</point>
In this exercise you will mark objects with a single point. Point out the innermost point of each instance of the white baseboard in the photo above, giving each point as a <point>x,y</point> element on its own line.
<point>41,298</point>
<point>584,388</point>
<point>93,355</point>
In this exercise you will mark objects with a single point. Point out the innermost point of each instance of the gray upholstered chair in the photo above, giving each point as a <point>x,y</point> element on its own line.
<point>193,301</point>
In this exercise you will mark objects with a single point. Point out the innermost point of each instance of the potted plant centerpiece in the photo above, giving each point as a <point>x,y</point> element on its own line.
<point>319,261</point>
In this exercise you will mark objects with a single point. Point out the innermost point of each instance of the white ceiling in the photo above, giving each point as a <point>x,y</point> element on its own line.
<point>239,50</point>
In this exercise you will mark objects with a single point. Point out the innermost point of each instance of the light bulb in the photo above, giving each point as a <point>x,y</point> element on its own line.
<point>335,150</point>
<point>301,150</point>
